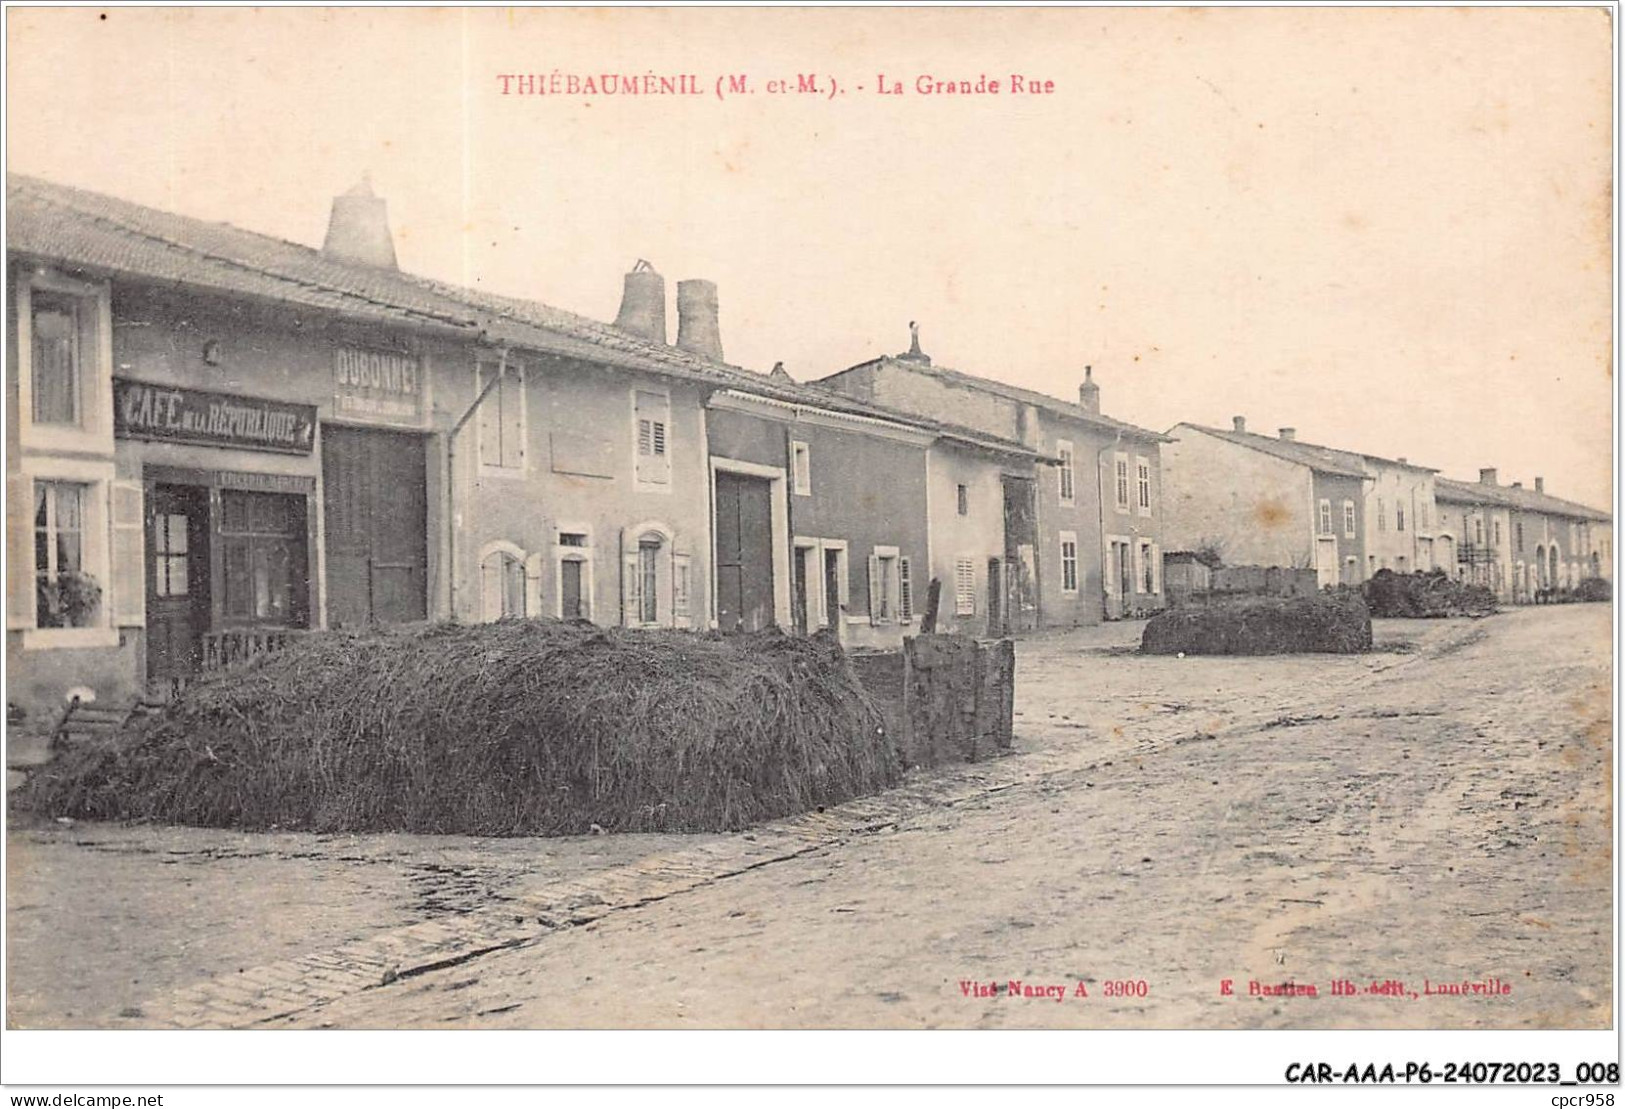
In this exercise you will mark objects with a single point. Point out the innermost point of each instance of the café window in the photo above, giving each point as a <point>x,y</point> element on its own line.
<point>263,566</point>
<point>57,357</point>
<point>64,595</point>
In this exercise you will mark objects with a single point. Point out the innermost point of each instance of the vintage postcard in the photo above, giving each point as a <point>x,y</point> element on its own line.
<point>814,518</point>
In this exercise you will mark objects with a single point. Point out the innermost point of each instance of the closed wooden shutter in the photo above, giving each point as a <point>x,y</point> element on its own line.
<point>877,613</point>
<point>1139,569</point>
<point>19,552</point>
<point>965,588</point>
<point>129,564</point>
<point>653,418</point>
<point>1156,567</point>
<point>631,591</point>
<point>905,591</point>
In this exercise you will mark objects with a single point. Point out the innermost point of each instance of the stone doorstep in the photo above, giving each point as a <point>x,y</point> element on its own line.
<point>280,990</point>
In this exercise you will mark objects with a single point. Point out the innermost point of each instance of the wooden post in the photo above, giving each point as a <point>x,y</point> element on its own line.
<point>933,597</point>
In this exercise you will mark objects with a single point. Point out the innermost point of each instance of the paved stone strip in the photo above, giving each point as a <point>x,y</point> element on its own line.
<point>276,991</point>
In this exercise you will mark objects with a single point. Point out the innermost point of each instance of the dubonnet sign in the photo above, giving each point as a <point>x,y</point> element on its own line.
<point>377,385</point>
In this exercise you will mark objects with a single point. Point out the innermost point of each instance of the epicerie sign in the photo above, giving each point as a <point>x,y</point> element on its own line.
<point>377,385</point>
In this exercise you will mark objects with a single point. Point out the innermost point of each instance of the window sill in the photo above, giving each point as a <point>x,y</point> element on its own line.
<point>45,639</point>
<point>501,471</point>
<point>663,487</point>
<point>856,620</point>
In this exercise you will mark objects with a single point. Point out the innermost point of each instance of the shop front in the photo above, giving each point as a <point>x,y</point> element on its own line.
<point>230,494</point>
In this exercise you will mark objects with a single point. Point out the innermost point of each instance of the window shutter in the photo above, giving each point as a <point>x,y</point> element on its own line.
<point>19,552</point>
<point>631,591</point>
<point>1139,568</point>
<point>513,418</point>
<point>905,592</point>
<point>965,588</point>
<point>128,563</point>
<point>875,615</point>
<point>652,412</point>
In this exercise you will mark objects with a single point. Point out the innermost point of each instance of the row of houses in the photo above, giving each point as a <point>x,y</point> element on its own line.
<point>1273,500</point>
<point>215,438</point>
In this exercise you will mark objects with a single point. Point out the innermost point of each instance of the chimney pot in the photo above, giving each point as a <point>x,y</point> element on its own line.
<point>1089,392</point>
<point>1540,485</point>
<point>358,229</point>
<point>1240,422</point>
<point>643,303</point>
<point>1402,460</point>
<point>697,327</point>
<point>1289,433</point>
<point>1486,476</point>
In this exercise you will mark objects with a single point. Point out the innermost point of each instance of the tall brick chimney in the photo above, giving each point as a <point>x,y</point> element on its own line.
<point>643,303</point>
<point>1089,392</point>
<point>1486,476</point>
<point>698,331</point>
<point>358,229</point>
<point>1289,433</point>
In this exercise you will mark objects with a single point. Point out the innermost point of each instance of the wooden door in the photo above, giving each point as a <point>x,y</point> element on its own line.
<point>799,598</point>
<point>1020,610</point>
<point>570,607</point>
<point>744,553</point>
<point>832,590</point>
<point>177,579</point>
<point>376,516</point>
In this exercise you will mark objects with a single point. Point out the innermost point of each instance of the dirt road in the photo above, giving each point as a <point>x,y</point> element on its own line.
<point>1435,812</point>
<point>1422,817</point>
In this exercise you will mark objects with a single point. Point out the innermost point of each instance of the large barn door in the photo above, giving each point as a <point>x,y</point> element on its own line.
<point>744,553</point>
<point>376,510</point>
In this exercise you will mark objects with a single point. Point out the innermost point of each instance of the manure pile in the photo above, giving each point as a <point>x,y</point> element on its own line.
<point>1427,594</point>
<point>521,727</point>
<point>1328,623</point>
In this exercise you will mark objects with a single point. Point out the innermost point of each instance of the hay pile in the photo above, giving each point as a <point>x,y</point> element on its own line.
<point>1594,589</point>
<point>1329,623</point>
<point>519,727</point>
<point>1425,595</point>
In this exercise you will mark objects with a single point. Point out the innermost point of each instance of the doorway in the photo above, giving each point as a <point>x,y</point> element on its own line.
<point>178,580</point>
<point>376,515</point>
<point>744,536</point>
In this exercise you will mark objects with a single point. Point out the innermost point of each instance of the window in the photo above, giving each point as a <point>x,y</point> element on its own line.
<point>965,587</point>
<point>905,591</point>
<point>1325,517</point>
<point>56,357</point>
<point>64,364</point>
<point>964,500</point>
<point>1143,480</point>
<point>1348,519</point>
<point>1069,562</point>
<point>801,468</point>
<point>1382,515</point>
<point>502,417</point>
<point>1497,533</point>
<point>65,597</point>
<point>885,585</point>
<point>652,422</point>
<point>1422,515</point>
<point>1122,483</point>
<point>1068,472</point>
<point>572,539</point>
<point>263,564</point>
<point>1399,517</point>
<point>169,555</point>
<point>1478,530</point>
<point>502,582</point>
<point>1518,532</point>
<point>647,577</point>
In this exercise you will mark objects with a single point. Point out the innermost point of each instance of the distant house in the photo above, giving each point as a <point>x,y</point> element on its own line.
<point>1279,501</point>
<point>1082,529</point>
<point>1521,542</point>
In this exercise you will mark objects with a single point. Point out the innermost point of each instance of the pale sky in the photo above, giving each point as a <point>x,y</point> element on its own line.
<point>1390,229</point>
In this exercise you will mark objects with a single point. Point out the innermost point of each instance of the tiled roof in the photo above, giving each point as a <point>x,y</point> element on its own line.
<point>1011,392</point>
<point>77,227</point>
<point>1527,500</point>
<point>1320,459</point>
